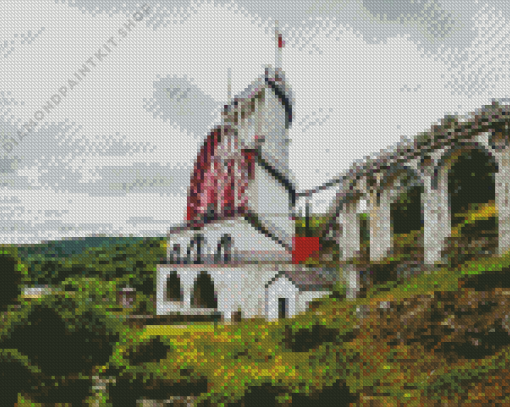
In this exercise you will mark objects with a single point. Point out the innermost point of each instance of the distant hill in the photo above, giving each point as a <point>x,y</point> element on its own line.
<point>66,248</point>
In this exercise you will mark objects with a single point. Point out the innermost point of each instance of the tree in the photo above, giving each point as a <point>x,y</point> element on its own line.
<point>64,338</point>
<point>10,285</point>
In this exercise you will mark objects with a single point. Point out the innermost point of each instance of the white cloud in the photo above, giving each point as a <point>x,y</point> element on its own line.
<point>352,98</point>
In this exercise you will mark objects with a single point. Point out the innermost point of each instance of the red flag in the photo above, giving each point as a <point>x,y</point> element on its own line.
<point>280,41</point>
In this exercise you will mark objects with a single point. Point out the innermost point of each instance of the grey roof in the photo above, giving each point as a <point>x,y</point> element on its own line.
<point>309,279</point>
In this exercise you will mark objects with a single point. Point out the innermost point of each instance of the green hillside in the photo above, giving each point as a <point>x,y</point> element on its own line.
<point>413,343</point>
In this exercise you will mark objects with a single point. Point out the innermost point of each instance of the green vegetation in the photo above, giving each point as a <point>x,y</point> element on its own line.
<point>304,355</point>
<point>118,259</point>
<point>412,352</point>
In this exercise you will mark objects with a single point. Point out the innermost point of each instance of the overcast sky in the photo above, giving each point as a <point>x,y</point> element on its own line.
<point>114,153</point>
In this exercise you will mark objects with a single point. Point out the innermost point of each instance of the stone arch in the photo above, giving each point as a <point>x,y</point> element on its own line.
<point>407,210</point>
<point>363,219</point>
<point>173,288</point>
<point>396,208</point>
<point>396,172</point>
<point>224,250</point>
<point>499,136</point>
<point>406,207</point>
<point>194,251</point>
<point>470,170</point>
<point>204,294</point>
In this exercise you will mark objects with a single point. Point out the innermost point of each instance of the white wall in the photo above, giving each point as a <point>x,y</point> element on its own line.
<point>236,286</point>
<point>248,129</point>
<point>267,120</point>
<point>282,287</point>
<point>248,244</point>
<point>275,149</point>
<point>271,202</point>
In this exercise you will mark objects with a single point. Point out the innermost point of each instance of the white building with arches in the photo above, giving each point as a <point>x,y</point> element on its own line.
<point>234,252</point>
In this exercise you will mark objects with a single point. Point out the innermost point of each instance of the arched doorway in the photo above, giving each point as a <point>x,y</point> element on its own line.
<point>173,287</point>
<point>203,295</point>
<point>281,297</point>
<point>471,181</point>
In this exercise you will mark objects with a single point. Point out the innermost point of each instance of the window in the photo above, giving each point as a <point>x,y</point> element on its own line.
<point>203,295</point>
<point>194,252</point>
<point>173,287</point>
<point>224,250</point>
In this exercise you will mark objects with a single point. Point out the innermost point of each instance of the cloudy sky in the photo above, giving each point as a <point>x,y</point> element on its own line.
<point>112,147</point>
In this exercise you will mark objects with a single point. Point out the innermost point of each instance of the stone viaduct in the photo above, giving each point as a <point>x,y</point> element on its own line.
<point>427,162</point>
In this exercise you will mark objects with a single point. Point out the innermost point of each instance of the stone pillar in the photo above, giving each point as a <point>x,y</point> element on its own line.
<point>352,281</point>
<point>381,239</point>
<point>503,199</point>
<point>350,236</point>
<point>160,290</point>
<point>437,222</point>
<point>186,287</point>
<point>169,249</point>
<point>225,298</point>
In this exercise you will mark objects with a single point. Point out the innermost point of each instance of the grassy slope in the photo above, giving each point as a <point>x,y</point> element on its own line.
<point>236,357</point>
<point>340,346</point>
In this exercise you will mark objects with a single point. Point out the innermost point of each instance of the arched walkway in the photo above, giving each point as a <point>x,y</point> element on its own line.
<point>203,295</point>
<point>395,209</point>
<point>463,178</point>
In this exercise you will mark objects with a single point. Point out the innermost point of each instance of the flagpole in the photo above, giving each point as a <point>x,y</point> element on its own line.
<point>278,49</point>
<point>229,85</point>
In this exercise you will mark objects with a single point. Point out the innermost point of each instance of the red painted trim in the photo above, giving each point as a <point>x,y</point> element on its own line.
<point>303,248</point>
<point>214,189</point>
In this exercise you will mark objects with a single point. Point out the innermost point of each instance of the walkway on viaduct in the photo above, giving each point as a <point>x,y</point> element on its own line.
<point>457,163</point>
